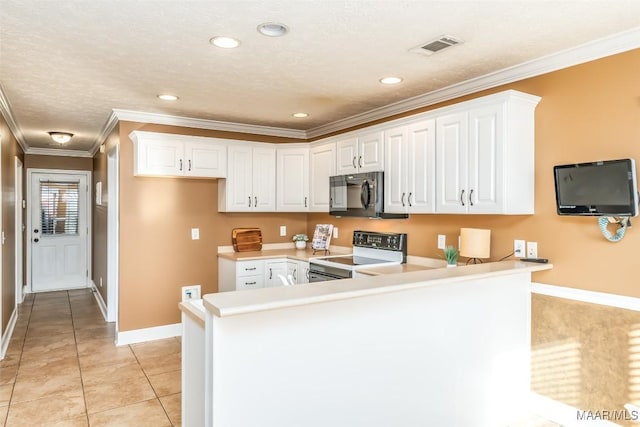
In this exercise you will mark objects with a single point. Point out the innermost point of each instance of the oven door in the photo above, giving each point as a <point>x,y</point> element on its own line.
<point>322,273</point>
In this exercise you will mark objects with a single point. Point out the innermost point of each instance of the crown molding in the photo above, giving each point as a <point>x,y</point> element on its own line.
<point>164,119</point>
<point>107,128</point>
<point>7,113</point>
<point>591,51</point>
<point>57,152</point>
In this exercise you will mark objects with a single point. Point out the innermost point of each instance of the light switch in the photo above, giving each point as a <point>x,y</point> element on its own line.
<point>195,234</point>
<point>283,230</point>
<point>335,232</point>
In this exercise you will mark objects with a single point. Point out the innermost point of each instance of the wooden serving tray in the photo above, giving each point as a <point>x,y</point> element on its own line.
<point>246,239</point>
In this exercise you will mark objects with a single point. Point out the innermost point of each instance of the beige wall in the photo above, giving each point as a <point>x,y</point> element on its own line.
<point>157,255</point>
<point>36,161</point>
<point>587,112</point>
<point>10,149</point>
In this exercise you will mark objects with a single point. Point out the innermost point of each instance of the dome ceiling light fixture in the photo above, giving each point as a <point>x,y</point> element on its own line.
<point>390,80</point>
<point>61,137</point>
<point>272,29</point>
<point>300,115</point>
<point>168,97</point>
<point>225,42</point>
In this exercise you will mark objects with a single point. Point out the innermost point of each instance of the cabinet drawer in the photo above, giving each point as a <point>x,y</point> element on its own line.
<point>249,282</point>
<point>250,268</point>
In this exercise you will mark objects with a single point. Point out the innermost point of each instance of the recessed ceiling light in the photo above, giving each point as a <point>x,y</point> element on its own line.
<point>61,137</point>
<point>300,115</point>
<point>167,97</point>
<point>225,42</point>
<point>272,29</point>
<point>390,80</point>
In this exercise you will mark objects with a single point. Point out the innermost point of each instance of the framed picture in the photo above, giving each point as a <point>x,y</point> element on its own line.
<point>321,237</point>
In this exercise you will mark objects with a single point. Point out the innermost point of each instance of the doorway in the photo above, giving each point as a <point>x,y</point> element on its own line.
<point>58,249</point>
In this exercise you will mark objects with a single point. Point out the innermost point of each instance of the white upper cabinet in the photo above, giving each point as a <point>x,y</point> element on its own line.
<point>292,179</point>
<point>485,156</point>
<point>251,179</point>
<point>322,165</point>
<point>410,168</point>
<point>169,155</point>
<point>363,152</point>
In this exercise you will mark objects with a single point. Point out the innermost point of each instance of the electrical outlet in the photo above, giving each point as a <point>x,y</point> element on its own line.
<point>518,248</point>
<point>101,282</point>
<point>442,241</point>
<point>532,249</point>
<point>335,232</point>
<point>195,234</point>
<point>190,292</point>
<point>283,230</point>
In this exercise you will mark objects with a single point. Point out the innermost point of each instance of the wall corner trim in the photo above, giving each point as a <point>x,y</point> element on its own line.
<point>602,298</point>
<point>148,334</point>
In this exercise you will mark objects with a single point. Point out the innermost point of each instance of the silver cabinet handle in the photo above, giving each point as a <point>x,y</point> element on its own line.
<point>330,202</point>
<point>255,202</point>
<point>402,199</point>
<point>409,199</point>
<point>181,164</point>
<point>305,202</point>
<point>249,201</point>
<point>307,273</point>
<point>461,198</point>
<point>270,273</point>
<point>249,283</point>
<point>189,161</point>
<point>470,195</point>
<point>295,274</point>
<point>360,161</point>
<point>249,269</point>
<point>354,162</point>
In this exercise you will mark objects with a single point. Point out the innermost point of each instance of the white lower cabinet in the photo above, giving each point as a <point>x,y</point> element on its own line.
<point>274,270</point>
<point>262,273</point>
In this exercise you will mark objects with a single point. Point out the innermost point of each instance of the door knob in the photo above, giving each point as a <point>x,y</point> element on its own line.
<point>36,231</point>
<point>36,240</point>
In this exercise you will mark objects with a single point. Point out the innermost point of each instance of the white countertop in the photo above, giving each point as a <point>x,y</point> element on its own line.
<point>240,302</point>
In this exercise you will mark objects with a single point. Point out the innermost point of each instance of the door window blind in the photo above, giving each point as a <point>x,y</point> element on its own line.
<point>59,207</point>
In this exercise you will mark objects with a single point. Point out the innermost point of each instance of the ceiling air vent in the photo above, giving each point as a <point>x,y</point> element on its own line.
<point>433,46</point>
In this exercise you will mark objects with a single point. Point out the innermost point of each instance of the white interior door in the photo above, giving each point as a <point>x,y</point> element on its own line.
<point>59,231</point>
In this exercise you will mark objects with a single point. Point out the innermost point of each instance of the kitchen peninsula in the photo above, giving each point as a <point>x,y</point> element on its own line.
<point>445,346</point>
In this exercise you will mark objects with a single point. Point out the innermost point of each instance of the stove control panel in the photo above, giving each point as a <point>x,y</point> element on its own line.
<point>386,241</point>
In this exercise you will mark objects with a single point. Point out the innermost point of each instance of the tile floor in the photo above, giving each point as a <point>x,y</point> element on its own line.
<point>62,368</point>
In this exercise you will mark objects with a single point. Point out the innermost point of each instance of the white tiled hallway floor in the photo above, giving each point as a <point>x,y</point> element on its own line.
<point>62,368</point>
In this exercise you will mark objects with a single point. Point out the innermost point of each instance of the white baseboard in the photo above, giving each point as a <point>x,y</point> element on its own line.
<point>602,298</point>
<point>149,334</point>
<point>6,337</point>
<point>98,296</point>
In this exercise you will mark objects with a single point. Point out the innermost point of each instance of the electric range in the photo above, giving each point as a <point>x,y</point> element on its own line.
<point>370,249</point>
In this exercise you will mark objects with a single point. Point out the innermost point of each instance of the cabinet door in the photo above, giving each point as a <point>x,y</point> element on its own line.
<point>347,156</point>
<point>160,157</point>
<point>420,166</point>
<point>206,160</point>
<point>292,171</point>
<point>264,179</point>
<point>239,182</point>
<point>322,165</point>
<point>395,175</point>
<point>452,195</point>
<point>272,272</point>
<point>371,152</point>
<point>485,159</point>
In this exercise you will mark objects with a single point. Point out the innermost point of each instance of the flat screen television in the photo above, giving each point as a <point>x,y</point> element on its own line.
<point>602,188</point>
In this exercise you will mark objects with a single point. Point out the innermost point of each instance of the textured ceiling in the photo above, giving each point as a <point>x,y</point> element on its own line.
<point>65,65</point>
